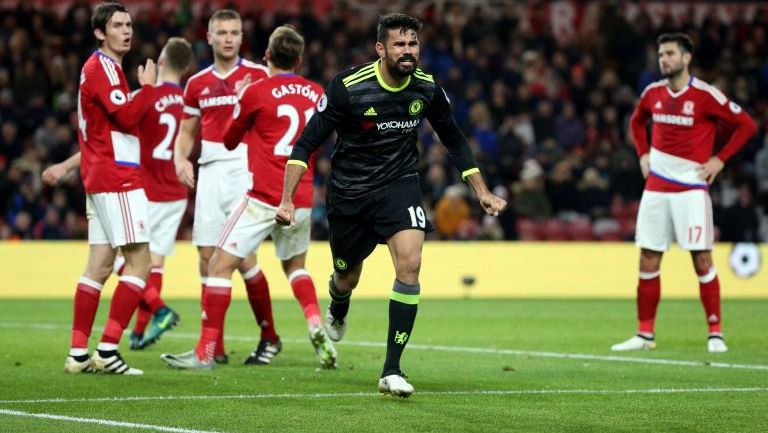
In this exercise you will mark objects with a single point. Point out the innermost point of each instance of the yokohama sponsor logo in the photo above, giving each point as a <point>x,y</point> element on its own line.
<point>671,119</point>
<point>398,124</point>
<point>217,101</point>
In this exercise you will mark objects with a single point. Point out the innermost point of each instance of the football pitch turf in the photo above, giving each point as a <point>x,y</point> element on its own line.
<point>477,365</point>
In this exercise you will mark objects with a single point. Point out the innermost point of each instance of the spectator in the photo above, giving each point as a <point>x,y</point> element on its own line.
<point>451,212</point>
<point>529,198</point>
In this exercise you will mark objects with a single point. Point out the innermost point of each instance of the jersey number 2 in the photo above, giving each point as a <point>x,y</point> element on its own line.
<point>284,146</point>
<point>163,150</point>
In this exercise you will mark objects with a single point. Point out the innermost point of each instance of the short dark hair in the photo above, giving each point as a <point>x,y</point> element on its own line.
<point>683,41</point>
<point>285,47</point>
<point>103,13</point>
<point>223,15</point>
<point>394,21</point>
<point>178,54</point>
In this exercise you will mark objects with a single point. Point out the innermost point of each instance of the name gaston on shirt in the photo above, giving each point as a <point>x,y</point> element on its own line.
<point>278,92</point>
<point>295,89</point>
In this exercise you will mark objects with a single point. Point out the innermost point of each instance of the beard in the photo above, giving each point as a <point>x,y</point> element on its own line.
<point>673,72</point>
<point>396,68</point>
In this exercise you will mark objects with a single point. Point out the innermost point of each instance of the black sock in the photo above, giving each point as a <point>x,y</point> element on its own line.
<point>80,358</point>
<point>339,302</point>
<point>403,304</point>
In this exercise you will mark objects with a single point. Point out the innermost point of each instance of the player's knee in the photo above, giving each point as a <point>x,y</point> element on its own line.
<point>99,273</point>
<point>346,282</point>
<point>220,267</point>
<point>650,261</point>
<point>703,263</point>
<point>408,267</point>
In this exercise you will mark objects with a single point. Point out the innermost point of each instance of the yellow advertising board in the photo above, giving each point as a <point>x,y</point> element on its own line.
<point>449,270</point>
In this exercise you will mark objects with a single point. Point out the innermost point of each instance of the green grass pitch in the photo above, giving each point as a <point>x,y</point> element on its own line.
<point>477,365</point>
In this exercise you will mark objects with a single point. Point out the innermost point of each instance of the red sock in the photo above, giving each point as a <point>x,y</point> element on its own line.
<point>709,291</point>
<point>258,296</point>
<point>147,307</point>
<point>124,302</point>
<point>304,291</point>
<point>216,299</point>
<point>86,303</point>
<point>219,349</point>
<point>151,296</point>
<point>648,294</point>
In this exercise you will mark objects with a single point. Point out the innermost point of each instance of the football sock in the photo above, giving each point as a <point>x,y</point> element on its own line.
<point>709,291</point>
<point>216,299</point>
<point>339,301</point>
<point>124,302</point>
<point>648,294</point>
<point>258,296</point>
<point>403,304</point>
<point>150,300</point>
<point>304,291</point>
<point>85,305</point>
<point>219,350</point>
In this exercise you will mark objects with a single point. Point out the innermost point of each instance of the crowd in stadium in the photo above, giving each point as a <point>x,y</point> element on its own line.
<point>547,119</point>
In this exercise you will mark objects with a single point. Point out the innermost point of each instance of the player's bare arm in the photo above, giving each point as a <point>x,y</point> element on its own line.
<point>286,211</point>
<point>492,204</point>
<point>183,148</point>
<point>56,172</point>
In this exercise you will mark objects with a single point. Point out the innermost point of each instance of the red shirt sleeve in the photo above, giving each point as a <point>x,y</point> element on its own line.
<point>191,101</point>
<point>111,90</point>
<point>638,125</point>
<point>730,112</point>
<point>242,118</point>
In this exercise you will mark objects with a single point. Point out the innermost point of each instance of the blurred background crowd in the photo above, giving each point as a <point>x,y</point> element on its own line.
<point>542,90</point>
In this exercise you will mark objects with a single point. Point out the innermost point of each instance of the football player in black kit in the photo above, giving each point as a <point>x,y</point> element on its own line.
<point>373,194</point>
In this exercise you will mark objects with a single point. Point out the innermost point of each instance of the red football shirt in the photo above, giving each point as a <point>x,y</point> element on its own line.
<point>683,136</point>
<point>107,116</point>
<point>157,132</point>
<point>270,118</point>
<point>211,97</point>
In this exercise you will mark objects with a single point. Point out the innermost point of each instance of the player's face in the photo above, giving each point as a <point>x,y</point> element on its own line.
<point>226,37</point>
<point>119,33</point>
<point>401,52</point>
<point>672,60</point>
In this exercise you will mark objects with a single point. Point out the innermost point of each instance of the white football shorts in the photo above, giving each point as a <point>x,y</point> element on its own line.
<point>117,218</point>
<point>251,223</point>
<point>164,220</point>
<point>220,188</point>
<point>666,217</point>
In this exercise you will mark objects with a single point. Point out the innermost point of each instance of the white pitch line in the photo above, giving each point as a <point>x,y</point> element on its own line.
<point>372,394</point>
<point>463,349</point>
<point>104,422</point>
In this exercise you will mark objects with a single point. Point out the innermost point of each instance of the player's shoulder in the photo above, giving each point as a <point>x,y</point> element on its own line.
<point>422,76</point>
<point>257,69</point>
<point>709,90</point>
<point>356,74</point>
<point>101,65</point>
<point>200,76</point>
<point>655,87</point>
<point>304,81</point>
